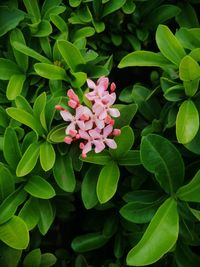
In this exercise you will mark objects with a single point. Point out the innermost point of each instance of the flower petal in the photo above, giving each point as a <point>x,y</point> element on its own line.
<point>91,84</point>
<point>71,126</point>
<point>87,148</point>
<point>107,130</point>
<point>81,125</point>
<point>88,125</point>
<point>114,112</point>
<point>111,143</point>
<point>66,115</point>
<point>84,135</point>
<point>99,146</point>
<point>100,123</point>
<point>94,134</point>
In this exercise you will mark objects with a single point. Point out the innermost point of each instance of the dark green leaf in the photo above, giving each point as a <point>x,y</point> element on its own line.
<point>7,183</point>
<point>132,158</point>
<point>127,112</point>
<point>46,215</point>
<point>8,68</point>
<point>33,258</point>
<point>48,260</point>
<point>111,6</point>
<point>97,158</point>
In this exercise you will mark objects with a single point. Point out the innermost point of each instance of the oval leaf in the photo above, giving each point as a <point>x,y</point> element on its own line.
<point>189,69</point>
<point>187,122</point>
<point>163,227</point>
<point>39,187</point>
<point>47,156</point>
<point>15,86</point>
<point>107,182</point>
<point>50,71</point>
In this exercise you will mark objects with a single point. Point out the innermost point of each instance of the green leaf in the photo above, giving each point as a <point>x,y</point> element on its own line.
<point>26,118</point>
<point>88,242</point>
<point>15,233</point>
<point>59,23</point>
<point>187,17</point>
<point>9,206</point>
<point>132,158</point>
<point>97,158</point>
<point>144,58</point>
<point>10,18</point>
<point>127,112</point>
<point>10,257</point>
<point>15,86</point>
<point>187,122</point>
<point>83,33</point>
<point>124,143</point>
<point>11,149</point>
<point>8,68</point>
<point>33,258</point>
<point>22,103</point>
<point>191,87</point>
<point>168,168</point>
<point>185,257</point>
<point>48,260</point>
<point>38,187</point>
<point>88,187</point>
<point>112,6</point>
<point>57,134</point>
<point>29,213</point>
<point>39,109</point>
<point>189,69</point>
<point>191,191</point>
<point>67,49</point>
<point>50,71</point>
<point>140,212</point>
<point>28,160</point>
<point>22,60</point>
<point>7,183</point>
<point>46,215</point>
<point>47,156</point>
<point>44,29</point>
<point>107,182</point>
<point>169,45</point>
<point>29,52</point>
<point>163,227</point>
<point>64,173</point>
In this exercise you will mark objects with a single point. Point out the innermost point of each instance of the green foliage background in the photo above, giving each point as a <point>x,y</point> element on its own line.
<point>137,205</point>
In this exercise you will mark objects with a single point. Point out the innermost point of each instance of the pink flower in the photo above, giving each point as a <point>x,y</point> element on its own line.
<point>73,99</point>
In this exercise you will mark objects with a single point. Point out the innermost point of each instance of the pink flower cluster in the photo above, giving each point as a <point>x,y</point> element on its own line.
<point>95,125</point>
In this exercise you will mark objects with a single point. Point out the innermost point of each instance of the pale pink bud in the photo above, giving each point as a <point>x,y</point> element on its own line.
<point>112,87</point>
<point>116,132</point>
<point>68,140</point>
<point>81,145</point>
<point>84,117</point>
<point>72,95</point>
<point>108,119</point>
<point>84,155</point>
<point>58,107</point>
<point>78,136</point>
<point>72,103</point>
<point>72,132</point>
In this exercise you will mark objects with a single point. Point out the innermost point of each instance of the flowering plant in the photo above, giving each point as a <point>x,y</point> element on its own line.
<point>95,125</point>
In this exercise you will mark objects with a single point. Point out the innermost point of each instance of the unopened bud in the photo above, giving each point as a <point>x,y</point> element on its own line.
<point>116,132</point>
<point>72,103</point>
<point>68,140</point>
<point>81,145</point>
<point>112,87</point>
<point>58,107</point>
<point>84,155</point>
<point>72,132</point>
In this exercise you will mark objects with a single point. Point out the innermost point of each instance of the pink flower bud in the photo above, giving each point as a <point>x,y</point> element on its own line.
<point>72,103</point>
<point>112,87</point>
<point>72,95</point>
<point>84,155</point>
<point>84,117</point>
<point>58,107</point>
<point>81,145</point>
<point>116,132</point>
<point>78,136</point>
<point>72,132</point>
<point>68,140</point>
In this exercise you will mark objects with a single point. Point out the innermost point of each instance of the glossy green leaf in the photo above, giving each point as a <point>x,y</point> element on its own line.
<point>33,10</point>
<point>28,160</point>
<point>48,260</point>
<point>144,58</point>
<point>67,49</point>
<point>8,68</point>
<point>107,182</point>
<point>33,258</point>
<point>44,29</point>
<point>10,18</point>
<point>47,156</point>
<point>26,118</point>
<point>127,112</point>
<point>15,86</point>
<point>168,168</point>
<point>191,87</point>
<point>59,23</point>
<point>22,60</point>
<point>132,158</point>
<point>38,187</point>
<point>50,71</point>
<point>88,187</point>
<point>78,79</point>
<point>57,134</point>
<point>112,6</point>
<point>29,52</point>
<point>97,158</point>
<point>88,242</point>
<point>10,257</point>
<point>140,212</point>
<point>29,213</point>
<point>22,103</point>
<point>11,151</point>
<point>191,191</point>
<point>169,45</point>
<point>189,69</point>
<point>18,238</point>
<point>46,215</point>
<point>39,109</point>
<point>9,206</point>
<point>163,227</point>
<point>187,122</point>
<point>83,33</point>
<point>124,143</point>
<point>64,173</point>
<point>7,183</point>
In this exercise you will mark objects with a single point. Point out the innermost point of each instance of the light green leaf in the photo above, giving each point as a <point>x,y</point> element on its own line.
<point>187,122</point>
<point>15,86</point>
<point>29,213</point>
<point>15,233</point>
<point>169,45</point>
<point>48,260</point>
<point>163,227</point>
<point>28,160</point>
<point>64,173</point>
<point>50,71</point>
<point>67,49</point>
<point>47,156</point>
<point>57,134</point>
<point>39,188</point>
<point>124,143</point>
<point>97,158</point>
<point>191,191</point>
<point>39,109</point>
<point>107,182</point>
<point>8,68</point>
<point>46,215</point>
<point>168,168</point>
<point>44,29</point>
<point>7,183</point>
<point>189,69</point>
<point>144,58</point>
